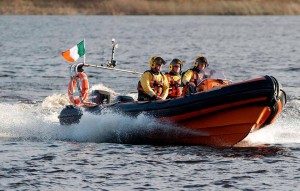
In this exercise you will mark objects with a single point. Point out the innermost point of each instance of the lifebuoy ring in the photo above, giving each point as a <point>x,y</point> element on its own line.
<point>79,82</point>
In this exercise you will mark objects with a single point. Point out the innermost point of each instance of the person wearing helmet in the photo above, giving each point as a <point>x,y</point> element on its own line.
<point>153,85</point>
<point>174,78</point>
<point>195,75</point>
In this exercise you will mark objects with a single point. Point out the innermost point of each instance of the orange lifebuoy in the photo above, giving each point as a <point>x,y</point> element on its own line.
<point>81,83</point>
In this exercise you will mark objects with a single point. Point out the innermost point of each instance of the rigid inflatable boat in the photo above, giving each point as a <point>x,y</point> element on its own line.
<point>221,116</point>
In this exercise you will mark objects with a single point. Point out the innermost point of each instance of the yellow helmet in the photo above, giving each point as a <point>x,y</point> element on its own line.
<point>200,59</point>
<point>174,62</point>
<point>153,61</point>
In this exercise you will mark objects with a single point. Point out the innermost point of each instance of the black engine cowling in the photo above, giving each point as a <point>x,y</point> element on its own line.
<point>70,115</point>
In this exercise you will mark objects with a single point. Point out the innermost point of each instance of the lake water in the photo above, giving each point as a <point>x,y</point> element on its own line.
<point>38,154</point>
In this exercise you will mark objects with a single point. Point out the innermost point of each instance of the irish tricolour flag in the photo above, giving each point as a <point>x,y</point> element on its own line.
<point>75,52</point>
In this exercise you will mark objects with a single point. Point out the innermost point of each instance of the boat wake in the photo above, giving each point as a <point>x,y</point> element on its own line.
<point>285,130</point>
<point>38,121</point>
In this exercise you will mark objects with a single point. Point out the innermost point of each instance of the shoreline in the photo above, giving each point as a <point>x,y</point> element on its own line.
<point>150,7</point>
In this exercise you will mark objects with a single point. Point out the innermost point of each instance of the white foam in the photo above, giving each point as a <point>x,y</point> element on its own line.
<point>281,132</point>
<point>40,121</point>
<point>35,122</point>
<point>55,101</point>
<point>285,130</point>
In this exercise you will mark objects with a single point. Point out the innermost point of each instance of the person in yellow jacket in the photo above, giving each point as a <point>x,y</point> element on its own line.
<point>153,85</point>
<point>174,78</point>
<point>192,77</point>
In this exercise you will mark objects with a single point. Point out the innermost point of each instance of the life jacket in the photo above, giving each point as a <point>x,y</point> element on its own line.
<point>81,83</point>
<point>175,88</point>
<point>196,79</point>
<point>156,86</point>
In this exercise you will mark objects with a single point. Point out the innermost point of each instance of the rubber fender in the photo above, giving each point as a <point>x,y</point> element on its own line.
<point>124,99</point>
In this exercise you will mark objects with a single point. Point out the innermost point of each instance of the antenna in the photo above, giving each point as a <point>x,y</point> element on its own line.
<point>112,63</point>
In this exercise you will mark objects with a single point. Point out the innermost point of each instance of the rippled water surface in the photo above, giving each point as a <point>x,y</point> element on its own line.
<point>39,154</point>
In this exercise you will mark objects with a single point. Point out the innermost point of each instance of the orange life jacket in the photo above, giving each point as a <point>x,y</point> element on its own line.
<point>155,85</point>
<point>82,84</point>
<point>196,79</point>
<point>175,88</point>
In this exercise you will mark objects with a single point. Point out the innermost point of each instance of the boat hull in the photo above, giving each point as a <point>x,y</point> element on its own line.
<point>220,117</point>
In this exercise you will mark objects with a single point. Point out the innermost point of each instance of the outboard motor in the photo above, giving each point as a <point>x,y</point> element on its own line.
<point>70,115</point>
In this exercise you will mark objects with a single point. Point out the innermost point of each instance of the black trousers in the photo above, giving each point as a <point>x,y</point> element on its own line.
<point>144,97</point>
